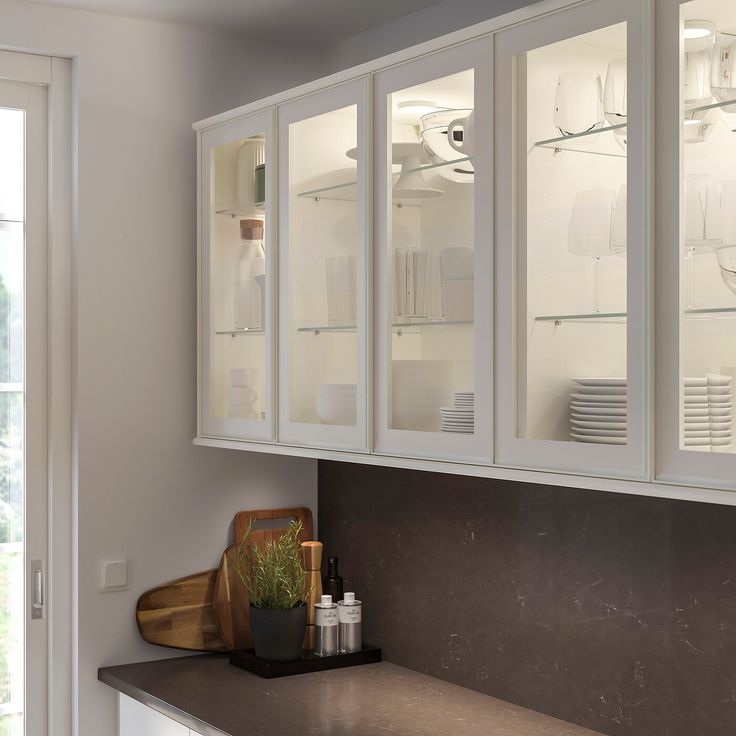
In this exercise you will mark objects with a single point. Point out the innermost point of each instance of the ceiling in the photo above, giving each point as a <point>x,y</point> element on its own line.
<point>305,22</point>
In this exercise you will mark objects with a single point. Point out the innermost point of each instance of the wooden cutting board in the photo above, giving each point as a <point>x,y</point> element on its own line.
<point>180,614</point>
<point>230,598</point>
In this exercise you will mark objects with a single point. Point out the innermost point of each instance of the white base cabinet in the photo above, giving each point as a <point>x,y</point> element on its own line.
<point>136,719</point>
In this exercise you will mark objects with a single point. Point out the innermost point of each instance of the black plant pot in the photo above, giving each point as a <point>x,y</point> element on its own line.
<point>278,635</point>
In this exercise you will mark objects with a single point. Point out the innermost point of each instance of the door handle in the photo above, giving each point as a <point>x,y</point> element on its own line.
<point>38,597</point>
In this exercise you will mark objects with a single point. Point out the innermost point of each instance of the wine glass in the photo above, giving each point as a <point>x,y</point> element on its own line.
<point>578,103</point>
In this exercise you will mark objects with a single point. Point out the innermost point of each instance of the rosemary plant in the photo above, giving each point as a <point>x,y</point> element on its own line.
<point>273,574</point>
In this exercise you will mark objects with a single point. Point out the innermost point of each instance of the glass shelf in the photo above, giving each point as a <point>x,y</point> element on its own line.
<point>347,192</point>
<point>400,327</point>
<point>611,317</point>
<point>243,332</point>
<point>562,143</point>
<point>566,142</point>
<point>620,317</point>
<point>241,212</point>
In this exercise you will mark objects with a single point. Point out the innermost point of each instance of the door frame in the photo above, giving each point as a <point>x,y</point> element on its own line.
<point>55,73</point>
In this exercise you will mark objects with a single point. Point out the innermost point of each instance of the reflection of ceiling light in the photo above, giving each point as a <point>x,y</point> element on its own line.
<point>698,35</point>
<point>693,121</point>
<point>417,107</point>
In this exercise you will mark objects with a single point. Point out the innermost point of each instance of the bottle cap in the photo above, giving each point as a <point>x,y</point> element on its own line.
<point>349,598</point>
<point>251,229</point>
<point>326,600</point>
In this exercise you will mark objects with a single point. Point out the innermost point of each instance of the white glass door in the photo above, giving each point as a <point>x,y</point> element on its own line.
<point>697,243</point>
<point>572,240</point>
<point>23,451</point>
<point>323,236</point>
<point>238,263</point>
<point>432,278</point>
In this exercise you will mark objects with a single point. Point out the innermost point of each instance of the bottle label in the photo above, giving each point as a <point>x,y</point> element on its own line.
<point>325,616</point>
<point>351,614</point>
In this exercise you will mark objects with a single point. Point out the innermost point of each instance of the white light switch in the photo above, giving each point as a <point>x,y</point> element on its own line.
<point>113,575</point>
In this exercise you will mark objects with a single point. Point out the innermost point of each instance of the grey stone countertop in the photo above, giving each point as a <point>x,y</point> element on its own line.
<point>206,693</point>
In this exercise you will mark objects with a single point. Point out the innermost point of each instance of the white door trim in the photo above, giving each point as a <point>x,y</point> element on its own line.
<point>56,75</point>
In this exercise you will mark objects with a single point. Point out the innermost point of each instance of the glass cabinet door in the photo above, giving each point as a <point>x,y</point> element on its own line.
<point>572,240</point>
<point>432,260</point>
<point>323,237</point>
<point>697,250</point>
<point>237,267</point>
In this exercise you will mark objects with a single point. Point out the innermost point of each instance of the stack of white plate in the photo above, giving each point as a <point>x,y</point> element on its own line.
<point>708,412</point>
<point>598,411</point>
<point>460,417</point>
<point>337,403</point>
<point>418,389</point>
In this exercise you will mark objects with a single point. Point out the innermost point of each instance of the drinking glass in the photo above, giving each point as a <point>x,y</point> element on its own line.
<point>578,103</point>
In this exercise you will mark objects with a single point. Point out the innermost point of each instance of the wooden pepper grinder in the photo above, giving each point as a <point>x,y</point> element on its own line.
<point>312,561</point>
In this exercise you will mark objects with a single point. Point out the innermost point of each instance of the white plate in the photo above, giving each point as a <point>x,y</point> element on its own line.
<point>716,411</point>
<point>598,411</point>
<point>721,402</point>
<point>600,399</point>
<point>697,426</point>
<point>457,431</point>
<point>578,417</point>
<point>599,440</point>
<point>696,382</point>
<point>696,412</point>
<point>615,426</point>
<point>720,391</point>
<point>707,442</point>
<point>717,379</point>
<point>599,432</point>
<point>600,381</point>
<point>602,390</point>
<point>696,391</point>
<point>720,432</point>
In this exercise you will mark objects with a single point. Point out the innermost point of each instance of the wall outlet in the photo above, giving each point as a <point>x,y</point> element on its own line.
<point>113,575</point>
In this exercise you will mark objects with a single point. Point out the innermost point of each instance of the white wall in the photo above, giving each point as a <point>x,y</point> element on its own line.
<point>145,493</point>
<point>423,25</point>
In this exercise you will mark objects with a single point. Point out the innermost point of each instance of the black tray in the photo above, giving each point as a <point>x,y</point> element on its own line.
<point>309,662</point>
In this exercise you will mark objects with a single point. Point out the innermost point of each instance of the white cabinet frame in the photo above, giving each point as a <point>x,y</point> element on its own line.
<point>325,435</point>
<point>210,425</point>
<point>674,464</point>
<point>631,460</point>
<point>475,448</point>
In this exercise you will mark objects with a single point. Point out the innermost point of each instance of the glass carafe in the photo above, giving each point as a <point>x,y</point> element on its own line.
<point>250,269</point>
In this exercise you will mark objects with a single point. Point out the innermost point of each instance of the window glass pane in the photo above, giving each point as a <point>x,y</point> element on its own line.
<point>12,243</point>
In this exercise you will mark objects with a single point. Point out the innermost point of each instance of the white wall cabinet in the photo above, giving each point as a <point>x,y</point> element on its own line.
<point>469,238</point>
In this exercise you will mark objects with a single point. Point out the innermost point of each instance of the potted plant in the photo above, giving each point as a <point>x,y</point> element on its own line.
<point>275,579</point>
